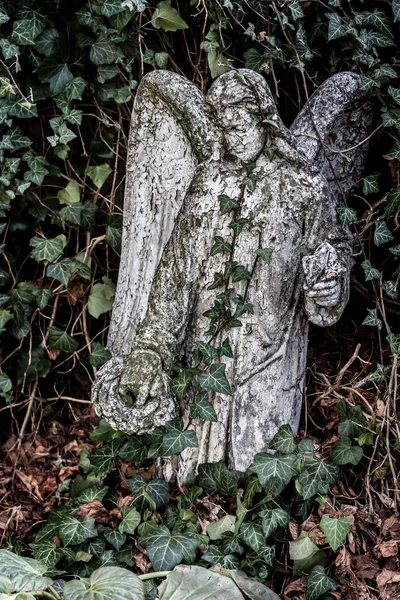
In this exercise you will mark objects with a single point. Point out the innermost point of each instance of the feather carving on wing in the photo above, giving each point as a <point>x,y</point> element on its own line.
<point>170,135</point>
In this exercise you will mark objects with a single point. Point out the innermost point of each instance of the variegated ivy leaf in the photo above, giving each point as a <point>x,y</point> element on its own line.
<point>371,185</point>
<point>283,440</point>
<point>167,550</point>
<point>317,478</point>
<point>130,519</point>
<point>372,319</point>
<point>382,233</point>
<point>61,340</point>
<point>103,458</point>
<point>152,494</point>
<point>203,409</point>
<point>346,215</point>
<point>390,288</point>
<point>48,250</point>
<point>274,472</point>
<point>72,531</point>
<point>176,439</point>
<point>215,379</point>
<point>272,518</point>
<point>252,534</point>
<point>114,537</point>
<point>394,342</point>
<point>369,271</point>
<point>220,246</point>
<point>47,553</point>
<point>61,271</point>
<point>319,583</point>
<point>336,28</point>
<point>215,556</point>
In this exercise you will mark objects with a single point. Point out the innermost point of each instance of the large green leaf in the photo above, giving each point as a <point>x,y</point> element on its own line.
<point>216,477</point>
<point>203,409</point>
<point>61,271</point>
<point>215,379</point>
<point>102,52</point>
<point>318,583</point>
<point>273,518</point>
<point>336,530</point>
<point>49,250</point>
<point>166,550</point>
<point>101,297</point>
<point>176,440</point>
<point>274,472</point>
<point>25,574</point>
<point>106,583</point>
<point>61,340</point>
<point>167,18</point>
<point>70,194</point>
<point>198,583</point>
<point>26,30</point>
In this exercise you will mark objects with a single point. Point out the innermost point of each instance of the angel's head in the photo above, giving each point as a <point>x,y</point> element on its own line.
<point>240,101</point>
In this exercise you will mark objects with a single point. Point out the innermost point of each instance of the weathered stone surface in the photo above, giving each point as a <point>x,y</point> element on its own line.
<point>184,153</point>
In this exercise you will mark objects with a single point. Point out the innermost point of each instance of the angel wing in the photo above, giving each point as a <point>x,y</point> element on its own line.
<point>170,134</point>
<point>340,114</point>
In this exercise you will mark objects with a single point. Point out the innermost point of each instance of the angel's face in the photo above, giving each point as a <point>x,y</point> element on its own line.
<point>244,135</point>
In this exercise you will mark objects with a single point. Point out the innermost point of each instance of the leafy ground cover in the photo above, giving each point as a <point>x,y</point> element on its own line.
<point>331,497</point>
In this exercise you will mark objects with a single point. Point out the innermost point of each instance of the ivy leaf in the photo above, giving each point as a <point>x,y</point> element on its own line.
<point>167,18</point>
<point>130,520</point>
<point>345,453</point>
<point>70,194</point>
<point>272,519</point>
<point>274,471</point>
<point>394,342</point>
<point>103,458</point>
<point>216,530</point>
<point>216,477</point>
<point>60,340</point>
<point>371,185</point>
<point>114,230</point>
<point>265,254</point>
<point>215,379</point>
<point>393,201</point>
<point>153,494</point>
<point>283,440</point>
<point>382,233</point>
<point>317,478</point>
<point>395,93</point>
<point>336,28</point>
<point>203,409</point>
<point>369,272</point>
<point>72,531</point>
<point>252,535</point>
<point>47,553</point>
<point>175,440</point>
<point>240,273</point>
<point>136,448</point>
<point>336,530</point>
<point>49,250</point>
<point>99,174</point>
<point>165,552</point>
<point>99,355</point>
<point>318,583</point>
<point>220,246</point>
<point>72,214</point>
<point>215,556</point>
<point>101,298</point>
<point>396,10</point>
<point>46,43</point>
<point>25,31</point>
<point>106,583</point>
<point>372,319</point>
<point>54,72</point>
<point>74,89</point>
<point>61,271</point>
<point>227,204</point>
<point>346,215</point>
<point>102,51</point>
<point>115,538</point>
<point>296,10</point>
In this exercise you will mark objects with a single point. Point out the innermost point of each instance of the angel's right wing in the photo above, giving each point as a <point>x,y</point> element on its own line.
<point>170,134</point>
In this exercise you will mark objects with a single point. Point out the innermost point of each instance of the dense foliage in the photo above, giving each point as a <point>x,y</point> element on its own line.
<point>68,75</point>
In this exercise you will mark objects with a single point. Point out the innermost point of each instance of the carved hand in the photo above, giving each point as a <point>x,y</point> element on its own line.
<point>133,393</point>
<point>326,292</point>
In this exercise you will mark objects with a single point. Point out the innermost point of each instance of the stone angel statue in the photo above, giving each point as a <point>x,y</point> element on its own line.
<point>185,152</point>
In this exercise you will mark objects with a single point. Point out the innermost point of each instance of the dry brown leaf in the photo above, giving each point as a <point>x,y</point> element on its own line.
<point>343,563</point>
<point>298,585</point>
<point>93,509</point>
<point>386,577</point>
<point>365,566</point>
<point>386,549</point>
<point>142,562</point>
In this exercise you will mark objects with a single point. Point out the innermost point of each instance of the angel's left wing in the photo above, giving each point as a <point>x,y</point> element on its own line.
<point>339,114</point>
<point>170,134</point>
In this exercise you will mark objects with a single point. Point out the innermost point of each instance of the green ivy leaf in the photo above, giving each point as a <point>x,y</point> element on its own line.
<point>382,233</point>
<point>252,534</point>
<point>106,583</point>
<point>99,174</point>
<point>216,530</point>
<point>265,254</point>
<point>23,573</point>
<point>344,453</point>
<point>273,518</point>
<point>70,194</point>
<point>47,553</point>
<point>54,71</point>
<point>274,471</point>
<point>60,340</point>
<point>240,273</point>
<point>283,440</point>
<point>26,30</point>
<point>167,18</point>
<point>153,494</point>
<point>336,29</point>
<point>317,477</point>
<point>215,379</point>
<point>115,538</point>
<point>130,520</point>
<point>369,272</point>
<point>166,550</point>
<point>48,250</point>
<point>371,185</point>
<point>215,556</point>
<point>394,342</point>
<point>336,530</point>
<point>346,215</point>
<point>136,448</point>
<point>72,531</point>
<point>372,319</point>
<point>203,409</point>
<point>62,270</point>
<point>216,477</point>
<point>103,458</point>
<point>220,246</point>
<point>396,10</point>
<point>101,297</point>
<point>72,214</point>
<point>102,51</point>
<point>227,204</point>
<point>99,355</point>
<point>318,583</point>
<point>114,230</point>
<point>175,440</point>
